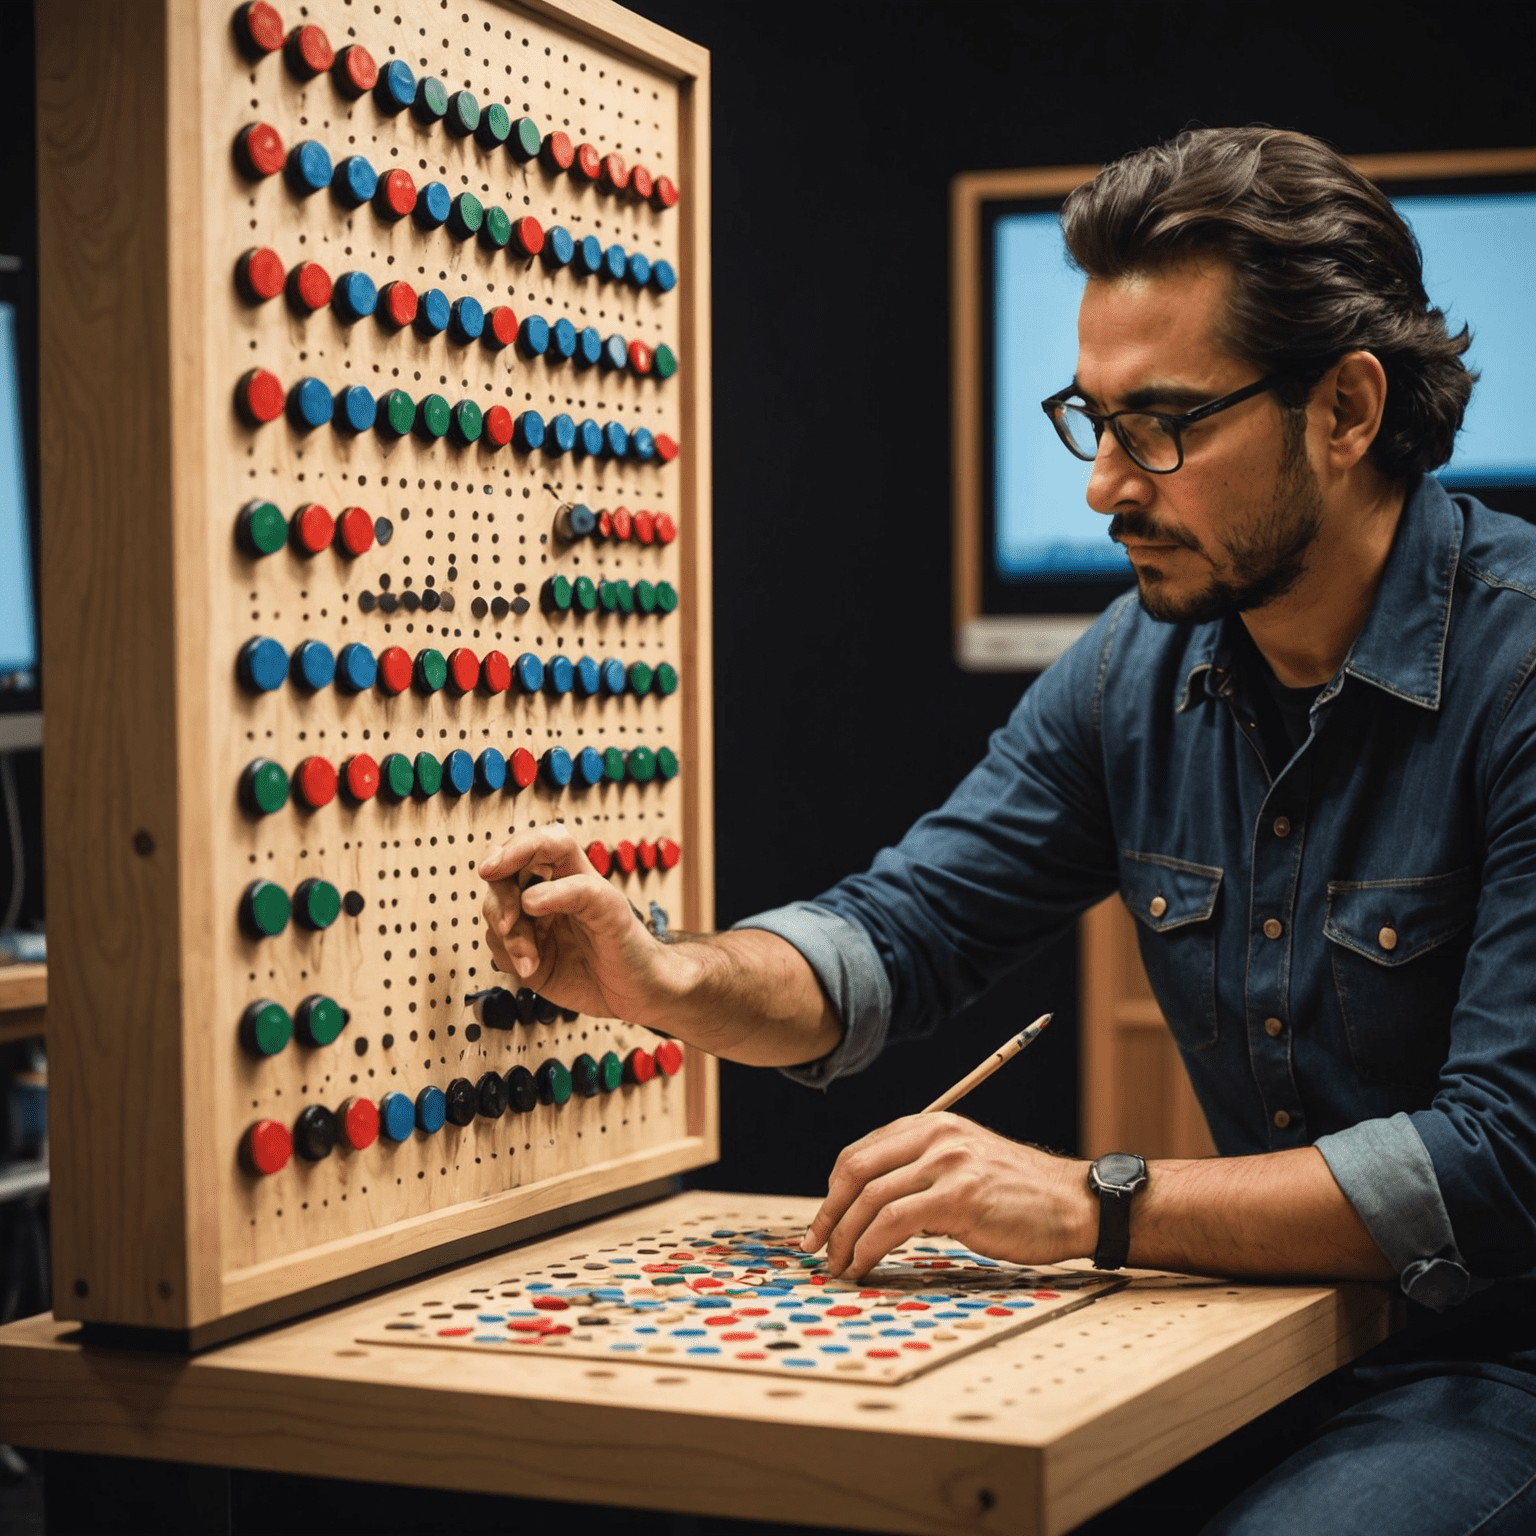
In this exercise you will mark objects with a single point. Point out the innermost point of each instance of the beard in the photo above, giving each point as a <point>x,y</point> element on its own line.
<point>1265,559</point>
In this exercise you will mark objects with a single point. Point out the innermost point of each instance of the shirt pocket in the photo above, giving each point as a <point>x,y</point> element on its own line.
<point>1174,903</point>
<point>1398,949</point>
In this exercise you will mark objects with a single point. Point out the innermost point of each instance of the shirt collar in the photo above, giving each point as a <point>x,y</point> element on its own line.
<point>1401,650</point>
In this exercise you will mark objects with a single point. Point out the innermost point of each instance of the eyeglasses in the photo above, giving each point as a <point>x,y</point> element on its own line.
<point>1154,440</point>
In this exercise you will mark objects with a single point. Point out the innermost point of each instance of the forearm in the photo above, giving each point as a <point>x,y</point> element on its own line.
<point>746,995</point>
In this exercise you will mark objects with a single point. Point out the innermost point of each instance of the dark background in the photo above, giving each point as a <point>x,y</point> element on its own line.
<point>840,715</point>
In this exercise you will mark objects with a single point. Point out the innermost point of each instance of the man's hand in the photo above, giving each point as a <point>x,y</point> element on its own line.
<point>941,1174</point>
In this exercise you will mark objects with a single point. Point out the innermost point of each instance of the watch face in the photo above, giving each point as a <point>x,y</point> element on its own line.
<point>1120,1170</point>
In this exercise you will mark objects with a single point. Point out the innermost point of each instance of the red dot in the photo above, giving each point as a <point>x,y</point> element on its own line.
<point>666,448</point>
<point>309,52</point>
<point>597,857</point>
<point>398,192</point>
<point>463,670</point>
<point>668,853</point>
<point>1046,1295</point>
<point>313,527</point>
<point>524,766</point>
<point>882,1354</point>
<point>733,1338</point>
<point>260,25</point>
<point>647,854</point>
<point>354,531</point>
<point>551,1304</point>
<point>588,162</point>
<point>624,856</point>
<point>558,151</point>
<point>666,529</point>
<point>528,235</point>
<point>645,527</point>
<point>260,149</point>
<point>495,671</point>
<point>664,194</point>
<point>268,1146</point>
<point>916,1344</point>
<point>750,1354</point>
<point>395,669</point>
<point>502,330</point>
<point>360,775</point>
<point>669,1057</point>
<point>639,357</point>
<point>314,781</point>
<point>640,1066</point>
<point>615,174</point>
<point>641,183</point>
<point>622,523</point>
<point>912,1306</point>
<point>355,71</point>
<point>309,286</point>
<point>497,426</point>
<point>844,1311</point>
<point>260,274</point>
<point>360,1123</point>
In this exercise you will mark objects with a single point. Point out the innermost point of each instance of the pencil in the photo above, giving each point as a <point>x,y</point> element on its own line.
<point>989,1066</point>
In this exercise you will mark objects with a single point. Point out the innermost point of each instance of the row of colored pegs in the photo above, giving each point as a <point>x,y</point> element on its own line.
<point>308,54</point>
<point>265,786</point>
<point>354,296</point>
<point>317,1132</point>
<point>267,1027</point>
<point>260,398</point>
<point>626,858</point>
<point>261,529</point>
<point>262,665</point>
<point>577,521</point>
<point>265,907</point>
<point>560,594</point>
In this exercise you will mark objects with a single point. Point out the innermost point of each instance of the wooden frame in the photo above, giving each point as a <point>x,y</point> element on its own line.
<point>987,642</point>
<point>144,462</point>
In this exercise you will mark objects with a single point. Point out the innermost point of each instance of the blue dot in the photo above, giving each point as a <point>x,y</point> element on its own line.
<point>490,770</point>
<point>467,320</point>
<point>615,354</point>
<point>805,1317</point>
<point>356,670</point>
<point>538,1285</point>
<point>310,403</point>
<point>924,1322</point>
<point>663,278</point>
<point>356,410</point>
<point>533,336</point>
<point>529,671</point>
<point>397,1116</point>
<point>313,664</point>
<point>561,435</point>
<point>589,438</point>
<point>589,346</point>
<point>559,247</point>
<point>616,680</point>
<point>615,263</point>
<point>615,440</point>
<point>459,772</point>
<point>624,1348</point>
<point>355,296</point>
<point>834,1349</point>
<point>642,443</point>
<point>895,1333</point>
<point>589,256</point>
<point>433,312</point>
<point>396,88</point>
<point>490,1317</point>
<point>262,664</point>
<point>589,771</point>
<point>688,1333</point>
<point>354,181</point>
<point>639,270</point>
<point>799,1361</point>
<point>309,168</point>
<point>589,678</point>
<point>562,336</point>
<point>559,677</point>
<point>433,204</point>
<point>557,771</point>
<point>490,1338</point>
<point>528,432</point>
<point>703,1349</point>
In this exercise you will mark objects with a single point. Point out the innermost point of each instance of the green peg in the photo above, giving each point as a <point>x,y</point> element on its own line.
<point>265,909</point>
<point>465,216</point>
<point>610,1072</point>
<point>263,787</point>
<point>626,596</point>
<point>429,775</point>
<point>495,125</point>
<point>524,140</point>
<point>396,776</point>
<point>431,671</point>
<point>666,762</point>
<point>261,528</point>
<point>397,414</point>
<point>584,1077</point>
<point>613,765</point>
<point>265,1028</point>
<point>317,903</point>
<point>585,591</point>
<point>554,1082</point>
<point>496,232</point>
<point>433,416</point>
<point>664,361</point>
<point>463,115</point>
<point>641,764</point>
<point>556,596</point>
<point>640,678</point>
<point>467,422</point>
<point>666,597</point>
<point>666,678</point>
<point>645,597</point>
<point>321,1019</point>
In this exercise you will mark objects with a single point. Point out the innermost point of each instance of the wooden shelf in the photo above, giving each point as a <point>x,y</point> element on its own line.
<point>23,1001</point>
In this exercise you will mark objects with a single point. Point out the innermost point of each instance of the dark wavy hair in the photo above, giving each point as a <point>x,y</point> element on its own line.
<point>1323,265</point>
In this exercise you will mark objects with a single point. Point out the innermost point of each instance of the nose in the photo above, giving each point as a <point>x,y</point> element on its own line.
<point>1117,483</point>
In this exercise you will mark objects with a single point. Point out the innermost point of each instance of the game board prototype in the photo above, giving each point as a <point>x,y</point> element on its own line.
<point>428,383</point>
<point>744,1299</point>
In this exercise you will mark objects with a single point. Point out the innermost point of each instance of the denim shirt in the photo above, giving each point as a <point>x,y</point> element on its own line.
<point>1376,894</point>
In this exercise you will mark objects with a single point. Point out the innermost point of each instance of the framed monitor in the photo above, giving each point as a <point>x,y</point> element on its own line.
<point>1032,565</point>
<point>21,722</point>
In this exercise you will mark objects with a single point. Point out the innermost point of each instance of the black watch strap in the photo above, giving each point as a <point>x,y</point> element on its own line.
<point>1116,1178</point>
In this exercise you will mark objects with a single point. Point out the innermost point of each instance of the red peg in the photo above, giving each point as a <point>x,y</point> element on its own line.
<point>501,327</point>
<point>495,673</point>
<point>604,528</point>
<point>557,152</point>
<point>496,426</point>
<point>259,150</point>
<point>309,287</point>
<point>666,448</point>
<point>524,767</point>
<point>614,174</point>
<point>259,274</point>
<point>645,527</point>
<point>314,782</point>
<point>395,668</point>
<point>463,670</point>
<point>641,183</point>
<point>397,305</point>
<point>528,235</point>
<point>664,194</point>
<point>355,72</point>
<point>668,853</point>
<point>309,52</point>
<point>640,357</point>
<point>259,28</point>
<point>589,163</point>
<point>396,194</point>
<point>312,528</point>
<point>597,857</point>
<point>622,523</point>
<point>624,857</point>
<point>669,1057</point>
<point>267,1146</point>
<point>360,777</point>
<point>647,853</point>
<point>259,397</point>
<point>359,1123</point>
<point>354,531</point>
<point>666,529</point>
<point>639,1066</point>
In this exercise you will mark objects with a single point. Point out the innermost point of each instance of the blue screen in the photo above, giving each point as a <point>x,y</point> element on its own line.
<point>18,619</point>
<point>1479,254</point>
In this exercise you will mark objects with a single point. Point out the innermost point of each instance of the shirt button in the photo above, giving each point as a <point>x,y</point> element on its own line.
<point>1157,906</point>
<point>1387,938</point>
<point>1282,1119</point>
<point>1272,1027</point>
<point>1272,928</point>
<point>1282,826</point>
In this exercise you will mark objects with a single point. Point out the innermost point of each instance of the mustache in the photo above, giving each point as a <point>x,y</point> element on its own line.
<point>1142,528</point>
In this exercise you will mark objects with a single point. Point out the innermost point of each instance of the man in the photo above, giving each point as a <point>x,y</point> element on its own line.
<point>1306,758</point>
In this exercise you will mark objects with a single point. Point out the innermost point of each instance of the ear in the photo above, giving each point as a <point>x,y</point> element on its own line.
<point>1354,392</point>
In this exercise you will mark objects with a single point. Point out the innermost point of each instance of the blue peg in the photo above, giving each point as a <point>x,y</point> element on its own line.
<point>639,270</point>
<point>642,443</point>
<point>433,312</point>
<point>308,168</point>
<point>530,672</point>
<point>356,670</point>
<point>533,336</point>
<point>589,438</point>
<point>354,181</point>
<point>615,264</point>
<point>467,320</point>
<point>459,772</point>
<point>615,354</point>
<point>431,1109</point>
<point>559,675</point>
<point>490,771</point>
<point>589,767</point>
<point>313,666</point>
<point>528,432</point>
<point>396,88</point>
<point>589,346</point>
<point>559,247</point>
<point>397,1116</point>
<point>615,677</point>
<point>589,677</point>
<point>557,767</point>
<point>588,259</point>
<point>355,296</point>
<point>433,204</point>
<point>663,278</point>
<point>356,409</point>
<point>562,339</point>
<point>560,435</point>
<point>262,664</point>
<point>615,440</point>
<point>310,403</point>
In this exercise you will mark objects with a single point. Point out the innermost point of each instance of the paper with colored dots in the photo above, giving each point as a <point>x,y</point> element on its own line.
<point>748,1299</point>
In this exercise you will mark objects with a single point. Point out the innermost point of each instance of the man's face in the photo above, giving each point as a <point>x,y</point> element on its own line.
<point>1230,529</point>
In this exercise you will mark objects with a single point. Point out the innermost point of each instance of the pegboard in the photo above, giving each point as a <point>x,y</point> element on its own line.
<point>299,577</point>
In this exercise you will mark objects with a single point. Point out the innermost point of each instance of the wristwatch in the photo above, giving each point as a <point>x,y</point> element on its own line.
<point>1115,1178</point>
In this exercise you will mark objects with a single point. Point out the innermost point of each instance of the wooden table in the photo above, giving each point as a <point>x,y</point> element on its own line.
<point>1027,1436</point>
<point>23,1001</point>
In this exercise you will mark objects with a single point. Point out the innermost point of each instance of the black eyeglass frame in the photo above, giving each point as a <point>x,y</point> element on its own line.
<point>1175,424</point>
